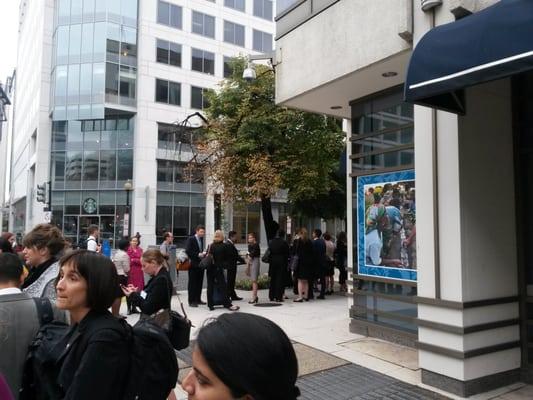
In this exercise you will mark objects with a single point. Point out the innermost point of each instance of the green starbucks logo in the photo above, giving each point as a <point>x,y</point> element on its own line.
<point>89,206</point>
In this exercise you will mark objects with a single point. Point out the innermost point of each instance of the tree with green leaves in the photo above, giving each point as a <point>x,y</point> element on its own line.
<point>252,148</point>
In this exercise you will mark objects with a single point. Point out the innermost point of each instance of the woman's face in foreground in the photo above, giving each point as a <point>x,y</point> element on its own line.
<point>201,383</point>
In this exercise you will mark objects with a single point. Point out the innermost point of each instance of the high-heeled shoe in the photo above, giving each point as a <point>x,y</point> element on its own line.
<point>254,301</point>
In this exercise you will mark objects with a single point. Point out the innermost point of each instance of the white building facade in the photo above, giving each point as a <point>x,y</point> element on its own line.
<point>459,286</point>
<point>109,98</point>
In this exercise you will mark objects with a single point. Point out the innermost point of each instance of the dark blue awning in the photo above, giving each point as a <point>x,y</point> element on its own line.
<point>494,43</point>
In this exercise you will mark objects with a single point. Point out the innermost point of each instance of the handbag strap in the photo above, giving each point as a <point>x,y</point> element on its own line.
<point>179,299</point>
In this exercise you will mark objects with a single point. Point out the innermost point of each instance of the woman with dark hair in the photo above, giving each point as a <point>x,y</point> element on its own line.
<point>122,264</point>
<point>279,259</point>
<point>5,246</point>
<point>43,246</point>
<point>96,348</point>
<point>158,291</point>
<point>242,356</point>
<point>341,259</point>
<point>303,248</point>
<point>254,263</point>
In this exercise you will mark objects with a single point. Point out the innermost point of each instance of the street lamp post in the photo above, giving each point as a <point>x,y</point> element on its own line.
<point>128,187</point>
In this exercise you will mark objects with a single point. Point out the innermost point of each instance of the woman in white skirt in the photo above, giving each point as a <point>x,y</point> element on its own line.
<point>254,262</point>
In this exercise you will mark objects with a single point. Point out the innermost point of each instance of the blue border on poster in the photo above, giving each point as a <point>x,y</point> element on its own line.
<point>372,270</point>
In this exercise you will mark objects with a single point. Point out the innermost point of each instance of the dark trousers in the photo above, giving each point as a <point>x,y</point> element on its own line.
<point>194,287</point>
<point>215,277</point>
<point>343,275</point>
<point>232,275</point>
<point>322,282</point>
<point>277,284</point>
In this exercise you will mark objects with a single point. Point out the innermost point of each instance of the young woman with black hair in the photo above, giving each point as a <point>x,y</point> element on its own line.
<point>242,356</point>
<point>95,359</point>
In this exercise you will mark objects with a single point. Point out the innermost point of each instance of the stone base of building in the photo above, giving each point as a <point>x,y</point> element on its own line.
<point>471,387</point>
<point>367,328</point>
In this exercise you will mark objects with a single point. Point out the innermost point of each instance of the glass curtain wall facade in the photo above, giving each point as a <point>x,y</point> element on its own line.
<point>382,142</point>
<point>94,68</point>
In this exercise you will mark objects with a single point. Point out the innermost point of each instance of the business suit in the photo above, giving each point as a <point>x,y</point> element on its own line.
<point>320,261</point>
<point>96,356</point>
<point>279,260</point>
<point>196,274</point>
<point>158,293</point>
<point>234,259</point>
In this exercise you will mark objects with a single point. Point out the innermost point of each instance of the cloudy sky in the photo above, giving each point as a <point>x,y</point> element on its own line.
<point>8,37</point>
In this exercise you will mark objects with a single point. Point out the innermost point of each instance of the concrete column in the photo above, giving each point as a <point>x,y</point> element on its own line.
<point>466,244</point>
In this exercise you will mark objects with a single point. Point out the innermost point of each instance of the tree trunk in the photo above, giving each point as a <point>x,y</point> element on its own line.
<point>271,226</point>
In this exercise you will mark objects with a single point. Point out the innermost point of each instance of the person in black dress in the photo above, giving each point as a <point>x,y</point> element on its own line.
<point>279,259</point>
<point>341,259</point>
<point>254,264</point>
<point>215,272</point>
<point>158,292</point>
<point>303,248</point>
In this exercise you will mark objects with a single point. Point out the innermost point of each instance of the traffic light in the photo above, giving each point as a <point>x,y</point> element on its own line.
<point>41,193</point>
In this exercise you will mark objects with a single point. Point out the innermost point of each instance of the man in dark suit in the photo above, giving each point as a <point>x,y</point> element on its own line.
<point>234,259</point>
<point>195,251</point>
<point>319,250</point>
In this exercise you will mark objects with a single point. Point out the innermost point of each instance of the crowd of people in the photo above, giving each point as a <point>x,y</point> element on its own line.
<point>62,337</point>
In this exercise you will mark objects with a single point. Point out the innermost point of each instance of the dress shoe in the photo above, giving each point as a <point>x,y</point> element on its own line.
<point>202,303</point>
<point>193,305</point>
<point>236,298</point>
<point>211,308</point>
<point>254,301</point>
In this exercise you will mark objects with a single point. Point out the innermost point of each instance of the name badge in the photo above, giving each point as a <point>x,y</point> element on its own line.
<point>144,294</point>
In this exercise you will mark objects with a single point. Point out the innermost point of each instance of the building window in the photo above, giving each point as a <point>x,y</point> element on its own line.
<point>262,41</point>
<point>246,219</point>
<point>168,52</point>
<point>167,92</point>
<point>203,24</point>
<point>236,4</point>
<point>198,98</point>
<point>169,14</point>
<point>174,137</point>
<point>228,69</point>
<point>203,61</point>
<point>234,33</point>
<point>179,213</point>
<point>263,9</point>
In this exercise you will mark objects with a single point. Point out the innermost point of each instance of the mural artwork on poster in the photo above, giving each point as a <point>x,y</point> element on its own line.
<point>386,225</point>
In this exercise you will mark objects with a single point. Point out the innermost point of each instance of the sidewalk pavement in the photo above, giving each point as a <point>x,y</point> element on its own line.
<point>330,356</point>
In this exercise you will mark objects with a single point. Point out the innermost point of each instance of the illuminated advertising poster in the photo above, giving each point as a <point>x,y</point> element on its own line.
<point>386,225</point>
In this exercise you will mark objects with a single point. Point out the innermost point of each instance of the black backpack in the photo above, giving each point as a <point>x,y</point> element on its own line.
<point>40,368</point>
<point>154,366</point>
<point>82,243</point>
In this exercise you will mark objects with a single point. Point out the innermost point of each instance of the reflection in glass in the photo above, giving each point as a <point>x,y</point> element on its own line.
<point>72,202</point>
<point>162,51</point>
<point>88,10</point>
<point>174,93</point>
<point>111,82</point>
<point>87,43</point>
<point>70,227</point>
<point>86,74</point>
<point>125,165</point>
<point>60,92</point>
<point>98,83</point>
<point>73,84</point>
<point>75,11</point>
<point>74,44</point>
<point>129,12</point>
<point>99,41</point>
<point>100,10</point>
<point>175,54</point>
<point>161,91</point>
<point>108,168</point>
<point>106,205</point>
<point>58,169</point>
<point>63,12</point>
<point>62,46</point>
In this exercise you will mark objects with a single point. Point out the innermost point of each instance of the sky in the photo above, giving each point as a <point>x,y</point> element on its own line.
<point>8,37</point>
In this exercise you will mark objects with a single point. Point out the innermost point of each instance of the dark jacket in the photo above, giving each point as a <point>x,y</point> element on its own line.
<point>279,254</point>
<point>304,250</point>
<point>233,254</point>
<point>192,250</point>
<point>96,359</point>
<point>254,250</point>
<point>221,255</point>
<point>158,293</point>
<point>320,258</point>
